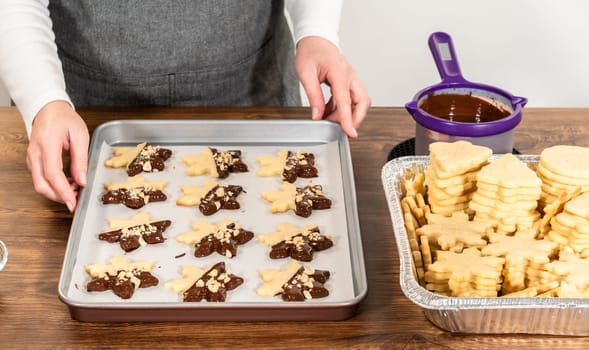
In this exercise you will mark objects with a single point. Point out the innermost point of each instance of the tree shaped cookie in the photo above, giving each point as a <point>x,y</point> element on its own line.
<point>302,200</point>
<point>141,158</point>
<point>294,282</point>
<point>289,165</point>
<point>210,197</point>
<point>223,238</point>
<point>135,193</point>
<point>122,276</point>
<point>209,284</point>
<point>217,163</point>
<point>133,233</point>
<point>298,243</point>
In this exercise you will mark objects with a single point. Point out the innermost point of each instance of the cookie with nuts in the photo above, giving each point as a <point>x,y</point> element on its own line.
<point>210,284</point>
<point>289,165</point>
<point>136,232</point>
<point>298,243</point>
<point>134,193</point>
<point>210,197</point>
<point>302,200</point>
<point>217,163</point>
<point>294,282</point>
<point>141,158</point>
<point>121,276</point>
<point>223,238</point>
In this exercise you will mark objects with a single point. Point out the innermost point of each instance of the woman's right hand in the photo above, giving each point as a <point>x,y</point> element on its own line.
<point>57,128</point>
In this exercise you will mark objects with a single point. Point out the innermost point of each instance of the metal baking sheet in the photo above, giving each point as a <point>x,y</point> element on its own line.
<point>345,261</point>
<point>558,316</point>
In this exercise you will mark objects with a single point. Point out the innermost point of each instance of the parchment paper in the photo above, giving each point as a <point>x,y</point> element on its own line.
<point>254,215</point>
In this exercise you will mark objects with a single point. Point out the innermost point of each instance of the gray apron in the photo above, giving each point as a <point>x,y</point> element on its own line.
<point>175,52</point>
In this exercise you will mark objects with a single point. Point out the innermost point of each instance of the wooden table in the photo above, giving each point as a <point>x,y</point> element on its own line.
<point>36,232</point>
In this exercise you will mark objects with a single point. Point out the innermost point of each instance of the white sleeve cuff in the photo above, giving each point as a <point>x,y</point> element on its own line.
<point>315,18</point>
<point>30,109</point>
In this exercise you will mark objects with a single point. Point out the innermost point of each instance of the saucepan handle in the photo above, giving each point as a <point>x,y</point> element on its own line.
<point>442,49</point>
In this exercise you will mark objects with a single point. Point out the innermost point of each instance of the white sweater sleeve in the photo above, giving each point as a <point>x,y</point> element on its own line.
<point>29,65</point>
<point>315,17</point>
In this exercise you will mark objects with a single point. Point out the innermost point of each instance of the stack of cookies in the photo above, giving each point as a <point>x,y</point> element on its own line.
<point>507,193</point>
<point>562,168</point>
<point>452,173</point>
<point>500,227</point>
<point>571,271</point>
<point>571,226</point>
<point>466,274</point>
<point>539,277</point>
<point>523,267</point>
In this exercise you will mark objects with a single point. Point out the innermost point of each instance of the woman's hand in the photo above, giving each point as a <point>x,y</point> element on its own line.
<point>57,128</point>
<point>319,61</point>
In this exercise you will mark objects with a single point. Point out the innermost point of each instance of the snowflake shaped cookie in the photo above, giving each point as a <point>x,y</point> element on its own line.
<point>136,232</point>
<point>298,243</point>
<point>121,276</point>
<point>217,163</point>
<point>141,158</point>
<point>302,200</point>
<point>210,197</point>
<point>209,284</point>
<point>134,193</point>
<point>289,165</point>
<point>294,282</point>
<point>223,238</point>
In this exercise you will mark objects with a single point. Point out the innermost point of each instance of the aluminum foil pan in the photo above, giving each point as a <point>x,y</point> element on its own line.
<point>558,316</point>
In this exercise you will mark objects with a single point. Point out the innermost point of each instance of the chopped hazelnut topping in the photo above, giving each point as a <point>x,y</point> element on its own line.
<point>213,285</point>
<point>147,166</point>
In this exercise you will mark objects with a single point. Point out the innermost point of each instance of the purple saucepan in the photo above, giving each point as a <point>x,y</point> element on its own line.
<point>453,82</point>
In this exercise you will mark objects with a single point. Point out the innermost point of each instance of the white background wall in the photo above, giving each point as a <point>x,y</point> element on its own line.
<point>538,49</point>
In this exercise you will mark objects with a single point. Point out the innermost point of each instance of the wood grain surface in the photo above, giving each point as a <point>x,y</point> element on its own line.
<point>36,232</point>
